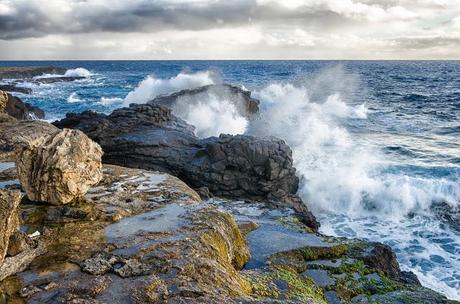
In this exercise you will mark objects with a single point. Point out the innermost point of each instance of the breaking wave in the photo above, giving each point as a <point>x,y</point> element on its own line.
<point>151,87</point>
<point>73,98</point>
<point>78,72</point>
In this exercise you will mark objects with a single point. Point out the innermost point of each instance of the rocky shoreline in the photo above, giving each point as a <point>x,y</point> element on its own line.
<point>132,207</point>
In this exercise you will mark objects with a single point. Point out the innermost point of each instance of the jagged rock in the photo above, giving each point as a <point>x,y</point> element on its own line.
<point>9,219</point>
<point>18,109</point>
<point>185,100</point>
<point>28,72</point>
<point>56,79</point>
<point>60,167</point>
<point>151,137</point>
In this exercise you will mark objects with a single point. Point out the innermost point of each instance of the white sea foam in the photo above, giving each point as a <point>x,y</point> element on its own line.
<point>74,97</point>
<point>151,87</point>
<point>78,72</point>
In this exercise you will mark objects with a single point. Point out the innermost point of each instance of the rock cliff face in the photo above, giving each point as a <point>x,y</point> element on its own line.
<point>60,167</point>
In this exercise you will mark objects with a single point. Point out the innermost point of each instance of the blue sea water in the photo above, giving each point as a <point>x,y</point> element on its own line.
<point>375,143</point>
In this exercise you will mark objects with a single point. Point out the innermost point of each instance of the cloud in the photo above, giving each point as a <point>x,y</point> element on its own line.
<point>228,29</point>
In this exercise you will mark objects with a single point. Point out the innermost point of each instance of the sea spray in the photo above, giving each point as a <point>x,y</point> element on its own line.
<point>212,116</point>
<point>151,86</point>
<point>78,72</point>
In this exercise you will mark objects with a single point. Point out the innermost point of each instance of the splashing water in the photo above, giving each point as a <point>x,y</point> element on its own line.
<point>152,87</point>
<point>78,72</point>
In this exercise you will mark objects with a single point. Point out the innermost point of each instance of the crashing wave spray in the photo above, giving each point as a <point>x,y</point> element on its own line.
<point>151,87</point>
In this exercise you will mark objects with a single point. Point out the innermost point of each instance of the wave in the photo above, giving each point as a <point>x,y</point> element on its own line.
<point>74,97</point>
<point>151,86</point>
<point>78,72</point>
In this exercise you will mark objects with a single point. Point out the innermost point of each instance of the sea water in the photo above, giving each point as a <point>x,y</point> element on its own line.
<point>375,143</point>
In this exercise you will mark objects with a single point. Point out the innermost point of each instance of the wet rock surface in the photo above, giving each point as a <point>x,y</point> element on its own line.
<point>146,237</point>
<point>59,168</point>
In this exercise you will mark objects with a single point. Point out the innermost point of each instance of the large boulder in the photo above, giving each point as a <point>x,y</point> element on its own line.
<point>15,133</point>
<point>59,168</point>
<point>9,219</point>
<point>150,137</point>
<point>18,109</point>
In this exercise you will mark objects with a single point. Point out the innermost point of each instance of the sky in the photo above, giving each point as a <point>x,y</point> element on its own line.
<point>229,29</point>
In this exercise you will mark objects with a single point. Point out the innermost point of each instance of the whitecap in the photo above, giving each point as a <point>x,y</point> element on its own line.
<point>73,98</point>
<point>78,72</point>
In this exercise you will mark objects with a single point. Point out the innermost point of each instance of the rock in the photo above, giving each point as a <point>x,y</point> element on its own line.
<point>14,88</point>
<point>18,109</point>
<point>151,137</point>
<point>57,79</point>
<point>380,256</point>
<point>418,296</point>
<point>19,242</point>
<point>15,133</point>
<point>3,101</point>
<point>20,262</point>
<point>185,100</point>
<point>447,214</point>
<point>9,219</point>
<point>28,72</point>
<point>60,168</point>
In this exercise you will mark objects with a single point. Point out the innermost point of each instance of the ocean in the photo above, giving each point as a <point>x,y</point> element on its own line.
<point>376,143</point>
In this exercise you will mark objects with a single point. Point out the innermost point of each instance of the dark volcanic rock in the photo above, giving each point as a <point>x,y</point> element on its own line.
<point>18,109</point>
<point>382,258</point>
<point>150,137</point>
<point>57,79</point>
<point>14,88</point>
<point>186,99</point>
<point>28,72</point>
<point>448,214</point>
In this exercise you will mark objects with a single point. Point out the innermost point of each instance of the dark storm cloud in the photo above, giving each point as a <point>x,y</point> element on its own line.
<point>31,20</point>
